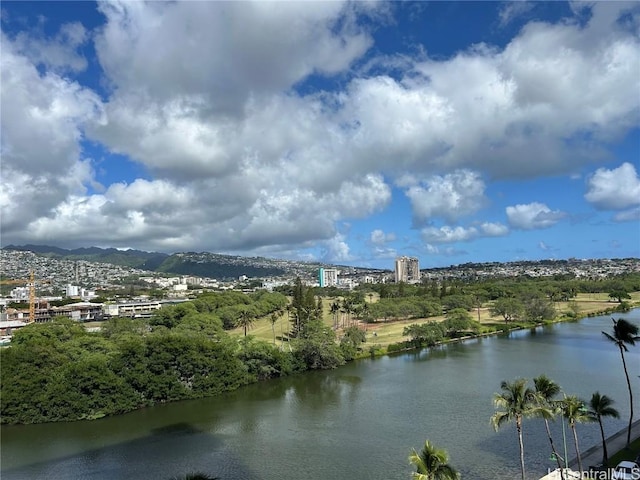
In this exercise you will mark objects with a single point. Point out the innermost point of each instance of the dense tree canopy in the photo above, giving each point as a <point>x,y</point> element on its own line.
<point>59,371</point>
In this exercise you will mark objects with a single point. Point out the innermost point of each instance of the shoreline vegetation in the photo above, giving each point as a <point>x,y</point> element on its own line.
<point>380,335</point>
<point>221,341</point>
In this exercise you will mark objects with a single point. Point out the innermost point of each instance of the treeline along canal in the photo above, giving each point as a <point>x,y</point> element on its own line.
<point>358,422</point>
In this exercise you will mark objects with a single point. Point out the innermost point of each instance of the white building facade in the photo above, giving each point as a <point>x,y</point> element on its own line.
<point>407,270</point>
<point>327,277</point>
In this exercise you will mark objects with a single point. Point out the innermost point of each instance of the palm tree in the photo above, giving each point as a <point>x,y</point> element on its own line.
<point>344,310</point>
<point>319,308</point>
<point>245,319</point>
<point>625,333</point>
<point>516,402</point>
<point>366,315</point>
<point>600,406</point>
<point>478,298</point>
<point>575,412</point>
<point>289,309</point>
<point>547,408</point>
<point>273,318</point>
<point>432,464</point>
<point>334,309</point>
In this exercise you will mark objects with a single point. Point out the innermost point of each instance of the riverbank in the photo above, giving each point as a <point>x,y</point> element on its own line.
<point>615,443</point>
<point>593,456</point>
<point>389,334</point>
<point>381,334</point>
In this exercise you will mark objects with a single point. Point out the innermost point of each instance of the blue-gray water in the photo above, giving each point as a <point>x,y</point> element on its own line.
<point>357,422</point>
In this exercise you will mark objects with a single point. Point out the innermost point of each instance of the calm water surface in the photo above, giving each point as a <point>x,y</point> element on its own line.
<point>357,422</point>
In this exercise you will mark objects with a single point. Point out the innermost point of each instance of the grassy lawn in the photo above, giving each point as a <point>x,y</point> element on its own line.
<point>626,454</point>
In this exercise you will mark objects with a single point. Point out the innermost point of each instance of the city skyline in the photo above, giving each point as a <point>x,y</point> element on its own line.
<point>348,133</point>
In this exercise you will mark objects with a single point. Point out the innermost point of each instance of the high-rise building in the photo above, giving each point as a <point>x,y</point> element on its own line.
<point>327,277</point>
<point>407,270</point>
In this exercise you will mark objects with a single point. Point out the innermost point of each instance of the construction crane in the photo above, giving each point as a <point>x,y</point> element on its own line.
<point>31,282</point>
<point>32,298</point>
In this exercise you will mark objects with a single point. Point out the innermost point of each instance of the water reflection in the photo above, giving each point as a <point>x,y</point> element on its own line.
<point>327,390</point>
<point>181,449</point>
<point>356,422</point>
<point>426,354</point>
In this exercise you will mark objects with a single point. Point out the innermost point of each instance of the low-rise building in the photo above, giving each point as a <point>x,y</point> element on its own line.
<point>7,327</point>
<point>131,309</point>
<point>80,312</point>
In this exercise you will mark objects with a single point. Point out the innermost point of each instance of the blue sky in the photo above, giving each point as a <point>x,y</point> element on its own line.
<point>345,132</point>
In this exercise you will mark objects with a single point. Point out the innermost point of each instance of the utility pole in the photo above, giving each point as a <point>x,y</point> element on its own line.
<point>32,298</point>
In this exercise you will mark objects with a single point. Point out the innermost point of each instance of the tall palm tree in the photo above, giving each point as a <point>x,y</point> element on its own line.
<point>273,318</point>
<point>478,298</point>
<point>245,319</point>
<point>289,309</point>
<point>547,409</point>
<point>575,412</point>
<point>600,406</point>
<point>432,463</point>
<point>366,315</point>
<point>624,333</point>
<point>335,309</point>
<point>345,308</point>
<point>516,402</point>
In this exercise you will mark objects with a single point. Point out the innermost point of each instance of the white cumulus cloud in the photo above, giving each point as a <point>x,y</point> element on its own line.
<point>490,229</point>
<point>533,216</point>
<point>450,196</point>
<point>41,127</point>
<point>379,237</point>
<point>59,53</point>
<point>225,50</point>
<point>615,189</point>
<point>628,215</point>
<point>448,234</point>
<point>336,250</point>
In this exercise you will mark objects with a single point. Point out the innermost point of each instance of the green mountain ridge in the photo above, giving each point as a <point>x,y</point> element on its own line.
<point>178,264</point>
<point>128,258</point>
<point>203,264</point>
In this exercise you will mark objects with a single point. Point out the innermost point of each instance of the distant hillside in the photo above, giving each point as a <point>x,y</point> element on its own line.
<point>197,264</point>
<point>219,266</point>
<point>128,258</point>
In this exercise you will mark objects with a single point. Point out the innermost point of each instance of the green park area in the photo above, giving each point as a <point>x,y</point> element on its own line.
<point>391,331</point>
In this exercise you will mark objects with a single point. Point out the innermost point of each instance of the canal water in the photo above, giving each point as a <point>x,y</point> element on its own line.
<point>358,422</point>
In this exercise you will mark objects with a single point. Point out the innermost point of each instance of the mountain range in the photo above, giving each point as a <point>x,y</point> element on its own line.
<point>203,264</point>
<point>230,267</point>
